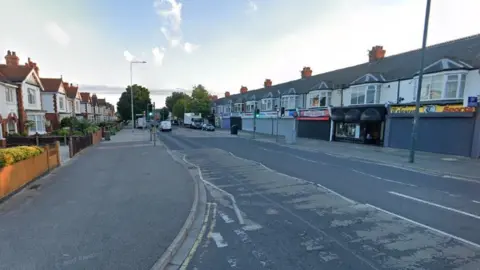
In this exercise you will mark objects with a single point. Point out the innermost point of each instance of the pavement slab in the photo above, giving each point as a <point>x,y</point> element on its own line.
<point>117,206</point>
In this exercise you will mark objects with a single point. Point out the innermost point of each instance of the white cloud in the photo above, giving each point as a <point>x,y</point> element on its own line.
<point>189,47</point>
<point>170,11</point>
<point>128,56</point>
<point>252,6</point>
<point>57,33</point>
<point>158,55</point>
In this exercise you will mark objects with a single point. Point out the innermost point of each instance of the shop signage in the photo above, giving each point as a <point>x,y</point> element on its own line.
<point>432,109</point>
<point>314,115</point>
<point>472,101</point>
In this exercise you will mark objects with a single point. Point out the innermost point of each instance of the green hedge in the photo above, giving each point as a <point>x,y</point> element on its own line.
<point>13,155</point>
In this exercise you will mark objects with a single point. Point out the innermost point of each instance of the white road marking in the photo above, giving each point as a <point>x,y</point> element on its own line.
<point>218,238</point>
<point>304,159</point>
<point>461,178</point>
<point>434,204</point>
<point>225,217</point>
<point>252,227</point>
<point>232,198</point>
<point>384,179</point>
<point>427,227</point>
<point>475,201</point>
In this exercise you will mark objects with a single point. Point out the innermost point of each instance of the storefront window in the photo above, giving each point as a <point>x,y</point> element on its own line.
<point>347,130</point>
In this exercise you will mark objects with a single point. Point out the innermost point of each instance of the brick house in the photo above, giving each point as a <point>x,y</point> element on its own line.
<point>28,91</point>
<point>8,107</point>
<point>74,100</point>
<point>54,101</point>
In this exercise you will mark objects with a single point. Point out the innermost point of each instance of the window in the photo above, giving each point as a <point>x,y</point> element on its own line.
<point>10,94</point>
<point>237,107</point>
<point>266,104</point>
<point>77,106</point>
<point>228,109</point>
<point>32,98</point>
<point>319,99</point>
<point>11,126</point>
<point>440,86</point>
<point>290,102</point>
<point>251,106</point>
<point>38,124</point>
<point>369,94</point>
<point>347,130</point>
<point>61,103</point>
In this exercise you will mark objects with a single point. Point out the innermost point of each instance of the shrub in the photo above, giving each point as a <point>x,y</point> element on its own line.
<point>13,155</point>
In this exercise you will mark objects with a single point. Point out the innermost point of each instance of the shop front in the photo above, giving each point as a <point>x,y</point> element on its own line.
<point>225,120</point>
<point>314,124</point>
<point>359,124</point>
<point>442,128</point>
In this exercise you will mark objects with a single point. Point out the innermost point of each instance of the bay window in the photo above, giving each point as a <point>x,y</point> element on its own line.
<point>251,106</point>
<point>290,102</point>
<point>319,99</point>
<point>365,94</point>
<point>266,104</point>
<point>61,103</point>
<point>38,124</point>
<point>237,107</point>
<point>32,97</point>
<point>441,86</point>
<point>10,95</point>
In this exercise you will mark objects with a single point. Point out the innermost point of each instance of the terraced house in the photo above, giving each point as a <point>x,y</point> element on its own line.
<point>373,102</point>
<point>8,107</point>
<point>28,93</point>
<point>55,103</point>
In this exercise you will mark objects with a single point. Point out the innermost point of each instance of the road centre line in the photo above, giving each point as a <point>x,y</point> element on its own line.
<point>384,179</point>
<point>434,204</point>
<point>427,227</point>
<point>475,201</point>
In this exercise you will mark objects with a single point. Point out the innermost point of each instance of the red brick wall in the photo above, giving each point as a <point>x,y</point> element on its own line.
<point>22,115</point>
<point>54,122</point>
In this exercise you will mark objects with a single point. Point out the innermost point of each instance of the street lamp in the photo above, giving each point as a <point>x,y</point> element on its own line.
<point>131,89</point>
<point>416,117</point>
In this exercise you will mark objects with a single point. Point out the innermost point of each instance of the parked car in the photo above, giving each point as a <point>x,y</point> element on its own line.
<point>165,126</point>
<point>196,125</point>
<point>208,127</point>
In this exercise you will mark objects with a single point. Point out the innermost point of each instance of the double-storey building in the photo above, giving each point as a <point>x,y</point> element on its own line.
<point>373,102</point>
<point>8,107</point>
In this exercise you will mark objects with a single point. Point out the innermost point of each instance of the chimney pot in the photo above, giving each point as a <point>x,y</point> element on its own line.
<point>227,94</point>
<point>267,83</point>
<point>306,72</point>
<point>243,90</point>
<point>376,53</point>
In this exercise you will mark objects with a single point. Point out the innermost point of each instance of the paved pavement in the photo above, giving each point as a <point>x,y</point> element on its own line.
<point>437,164</point>
<point>308,210</point>
<point>119,205</point>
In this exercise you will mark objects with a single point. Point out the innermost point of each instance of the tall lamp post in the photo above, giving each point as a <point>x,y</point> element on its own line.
<point>131,89</point>
<point>416,117</point>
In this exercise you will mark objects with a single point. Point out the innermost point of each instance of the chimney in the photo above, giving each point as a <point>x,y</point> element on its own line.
<point>376,53</point>
<point>227,94</point>
<point>267,83</point>
<point>214,97</point>
<point>32,65</point>
<point>243,90</point>
<point>306,72</point>
<point>11,59</point>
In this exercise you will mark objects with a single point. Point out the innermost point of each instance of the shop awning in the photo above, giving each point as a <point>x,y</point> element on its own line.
<point>337,115</point>
<point>370,114</point>
<point>352,115</point>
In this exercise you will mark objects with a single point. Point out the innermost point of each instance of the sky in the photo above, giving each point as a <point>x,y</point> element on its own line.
<point>221,44</point>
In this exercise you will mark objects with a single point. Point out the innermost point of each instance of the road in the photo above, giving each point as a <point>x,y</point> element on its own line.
<point>295,209</point>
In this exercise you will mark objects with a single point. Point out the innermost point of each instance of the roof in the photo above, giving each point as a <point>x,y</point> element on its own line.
<point>102,102</point>
<point>15,74</point>
<point>71,90</point>
<point>51,84</point>
<point>85,97</point>
<point>461,53</point>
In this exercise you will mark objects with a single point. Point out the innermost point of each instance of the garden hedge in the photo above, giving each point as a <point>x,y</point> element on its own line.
<point>13,155</point>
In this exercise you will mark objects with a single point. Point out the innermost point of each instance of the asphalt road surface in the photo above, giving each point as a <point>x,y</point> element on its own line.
<point>295,209</point>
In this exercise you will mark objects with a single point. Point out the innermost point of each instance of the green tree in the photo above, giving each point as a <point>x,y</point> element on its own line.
<point>172,99</point>
<point>180,107</point>
<point>141,97</point>
<point>200,102</point>
<point>163,113</point>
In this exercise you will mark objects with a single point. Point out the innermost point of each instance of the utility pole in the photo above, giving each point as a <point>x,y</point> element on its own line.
<point>416,117</point>
<point>278,111</point>
<point>254,118</point>
<point>154,128</point>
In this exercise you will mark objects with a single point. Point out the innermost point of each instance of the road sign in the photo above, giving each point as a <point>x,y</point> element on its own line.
<point>472,101</point>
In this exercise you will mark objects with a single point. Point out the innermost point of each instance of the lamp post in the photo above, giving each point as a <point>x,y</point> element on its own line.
<point>131,90</point>
<point>416,116</point>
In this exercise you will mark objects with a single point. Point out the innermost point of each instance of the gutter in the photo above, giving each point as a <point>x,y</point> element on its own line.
<point>9,85</point>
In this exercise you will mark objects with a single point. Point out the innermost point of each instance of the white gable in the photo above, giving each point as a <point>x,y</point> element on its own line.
<point>31,79</point>
<point>61,89</point>
<point>79,97</point>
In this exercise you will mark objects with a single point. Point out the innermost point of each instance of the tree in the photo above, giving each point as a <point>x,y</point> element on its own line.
<point>141,97</point>
<point>200,102</point>
<point>172,99</point>
<point>180,107</point>
<point>162,113</point>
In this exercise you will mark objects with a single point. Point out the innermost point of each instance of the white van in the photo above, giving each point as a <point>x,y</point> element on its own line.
<point>165,126</point>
